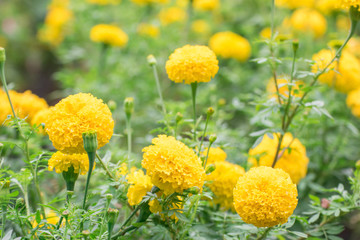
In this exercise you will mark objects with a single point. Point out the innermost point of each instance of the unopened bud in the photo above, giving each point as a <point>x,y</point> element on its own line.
<point>109,196</point>
<point>19,203</point>
<point>210,168</point>
<point>70,178</point>
<point>112,105</point>
<point>85,233</point>
<point>325,203</point>
<point>112,215</point>
<point>336,44</point>
<point>90,141</point>
<point>221,102</point>
<point>65,213</point>
<point>179,117</point>
<point>5,184</point>
<point>129,106</point>
<point>2,55</point>
<point>212,138</point>
<point>151,60</point>
<point>295,44</point>
<point>210,111</point>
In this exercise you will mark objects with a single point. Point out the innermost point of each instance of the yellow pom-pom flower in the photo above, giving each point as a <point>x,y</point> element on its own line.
<point>73,116</point>
<point>343,75</point>
<point>61,162</point>
<point>172,15</point>
<point>109,34</point>
<point>104,2</point>
<point>307,20</point>
<point>192,64</point>
<point>146,29</point>
<point>140,185</point>
<point>172,166</point>
<point>294,3</point>
<point>353,102</point>
<point>215,155</point>
<point>292,156</point>
<point>265,197</point>
<point>200,27</point>
<point>58,16</point>
<point>222,182</point>
<point>230,45</point>
<point>206,5</point>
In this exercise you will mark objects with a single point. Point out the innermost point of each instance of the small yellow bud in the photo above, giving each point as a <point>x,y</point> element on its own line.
<point>179,117</point>
<point>2,55</point>
<point>210,169</point>
<point>112,105</point>
<point>212,138</point>
<point>129,106</point>
<point>90,141</point>
<point>151,60</point>
<point>210,111</point>
<point>221,102</point>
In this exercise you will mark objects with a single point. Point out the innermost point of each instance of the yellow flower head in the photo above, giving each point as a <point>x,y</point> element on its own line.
<point>145,2</point>
<point>326,6</point>
<point>294,3</point>
<point>51,218</point>
<point>343,75</point>
<point>292,156</point>
<point>172,15</point>
<point>200,27</point>
<point>50,35</point>
<point>140,185</point>
<point>192,64</point>
<point>230,45</point>
<point>122,171</point>
<point>307,20</point>
<point>354,46</point>
<point>109,34</point>
<point>283,85</point>
<point>58,16</point>
<point>215,155</point>
<point>346,4</point>
<point>40,118</point>
<point>146,29</point>
<point>61,162</point>
<point>353,102</point>
<point>104,2</point>
<point>73,116</point>
<point>156,208</point>
<point>265,197</point>
<point>223,180</point>
<point>172,166</point>
<point>206,5</point>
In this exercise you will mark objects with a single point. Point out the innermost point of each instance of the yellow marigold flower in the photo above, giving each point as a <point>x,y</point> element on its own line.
<point>215,155</point>
<point>230,45</point>
<point>346,4</point>
<point>146,29</point>
<point>172,166</point>
<point>222,183</point>
<point>51,218</point>
<point>59,3</point>
<point>343,75</point>
<point>354,46</point>
<point>353,102</point>
<point>104,2</point>
<point>192,64</point>
<point>294,3</point>
<point>140,185</point>
<point>40,118</point>
<point>200,27</point>
<point>155,207</point>
<point>265,197</point>
<point>284,88</point>
<point>61,162</point>
<point>58,17</point>
<point>206,5</point>
<point>109,34</point>
<point>145,2</point>
<point>266,33</point>
<point>73,116</point>
<point>172,15</point>
<point>292,155</point>
<point>306,20</point>
<point>182,3</point>
<point>326,6</point>
<point>50,35</point>
<point>122,171</point>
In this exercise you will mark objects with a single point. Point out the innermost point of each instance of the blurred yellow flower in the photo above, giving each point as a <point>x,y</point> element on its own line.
<point>230,45</point>
<point>343,23</point>
<point>292,156</point>
<point>283,86</point>
<point>51,35</point>
<point>306,20</point>
<point>346,4</point>
<point>51,218</point>
<point>146,29</point>
<point>172,166</point>
<point>200,27</point>
<point>122,171</point>
<point>40,118</point>
<point>57,17</point>
<point>145,2</point>
<point>172,15</point>
<point>354,46</point>
<point>343,74</point>
<point>73,116</point>
<point>353,102</point>
<point>294,3</point>
<point>109,34</point>
<point>265,197</point>
<point>104,2</point>
<point>222,182</point>
<point>326,6</point>
<point>140,185</point>
<point>215,155</point>
<point>206,5</point>
<point>192,64</point>
<point>61,162</point>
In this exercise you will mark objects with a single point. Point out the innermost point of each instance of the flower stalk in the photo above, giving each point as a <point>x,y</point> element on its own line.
<point>193,91</point>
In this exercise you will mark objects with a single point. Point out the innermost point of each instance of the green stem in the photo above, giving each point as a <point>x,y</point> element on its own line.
<point>193,91</point>
<point>131,216</point>
<point>207,155</point>
<point>188,23</point>
<point>91,156</point>
<point>102,59</point>
<point>129,141</point>
<point>104,217</point>
<point>4,211</point>
<point>156,75</point>
<point>105,167</point>
<point>272,19</point>
<point>203,136</point>
<point>66,229</point>
<point>263,236</point>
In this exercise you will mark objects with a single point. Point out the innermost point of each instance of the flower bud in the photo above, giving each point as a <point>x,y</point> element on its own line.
<point>112,215</point>
<point>129,106</point>
<point>151,60</point>
<point>20,203</point>
<point>65,213</point>
<point>70,178</point>
<point>295,45</point>
<point>325,203</point>
<point>179,117</point>
<point>2,55</point>
<point>221,102</point>
<point>112,105</point>
<point>109,196</point>
<point>212,138</point>
<point>210,111</point>
<point>85,233</point>
<point>210,169</point>
<point>90,141</point>
<point>5,184</point>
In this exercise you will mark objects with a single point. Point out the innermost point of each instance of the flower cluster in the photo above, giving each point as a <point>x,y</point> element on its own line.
<point>342,74</point>
<point>294,3</point>
<point>140,185</point>
<point>61,162</point>
<point>222,182</point>
<point>206,5</point>
<point>230,45</point>
<point>292,156</point>
<point>172,166</point>
<point>73,116</point>
<point>109,34</point>
<point>265,197</point>
<point>192,64</point>
<point>307,20</point>
<point>215,155</point>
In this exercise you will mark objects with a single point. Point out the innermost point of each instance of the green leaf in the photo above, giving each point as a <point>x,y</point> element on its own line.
<point>257,142</point>
<point>314,218</point>
<point>300,234</point>
<point>38,216</point>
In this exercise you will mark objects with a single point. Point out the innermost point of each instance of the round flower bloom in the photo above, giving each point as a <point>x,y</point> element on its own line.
<point>353,102</point>
<point>172,166</point>
<point>206,5</point>
<point>140,185</point>
<point>292,156</point>
<point>40,118</point>
<point>104,2</point>
<point>61,162</point>
<point>146,29</point>
<point>192,64</point>
<point>109,34</point>
<point>294,3</point>
<point>283,88</point>
<point>230,45</point>
<point>343,75</point>
<point>222,182</point>
<point>73,116</point>
<point>58,16</point>
<point>144,2</point>
<point>200,27</point>
<point>307,20</point>
<point>172,15</point>
<point>265,197</point>
<point>215,155</point>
